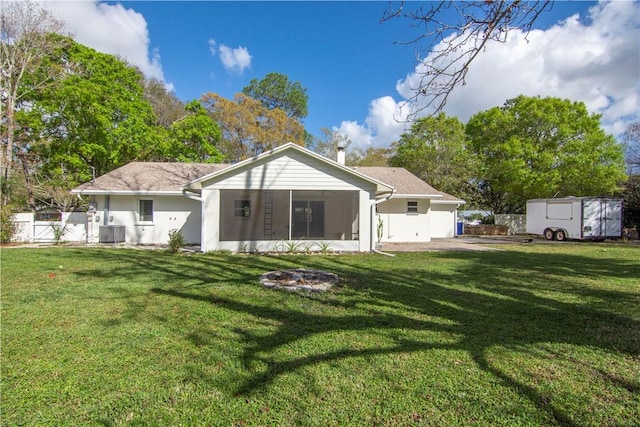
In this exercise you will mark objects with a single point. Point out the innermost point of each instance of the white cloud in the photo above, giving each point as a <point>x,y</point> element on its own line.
<point>596,61</point>
<point>384,124</point>
<point>359,135</point>
<point>212,47</point>
<point>235,59</point>
<point>112,29</point>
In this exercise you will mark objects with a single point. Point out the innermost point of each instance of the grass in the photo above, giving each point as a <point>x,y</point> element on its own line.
<point>529,335</point>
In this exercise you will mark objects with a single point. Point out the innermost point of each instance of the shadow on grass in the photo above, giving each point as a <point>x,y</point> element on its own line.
<point>510,299</point>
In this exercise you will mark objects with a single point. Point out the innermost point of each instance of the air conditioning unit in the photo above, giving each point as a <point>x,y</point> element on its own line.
<point>112,233</point>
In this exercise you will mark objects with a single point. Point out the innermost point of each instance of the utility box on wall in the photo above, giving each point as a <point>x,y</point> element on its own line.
<point>112,233</point>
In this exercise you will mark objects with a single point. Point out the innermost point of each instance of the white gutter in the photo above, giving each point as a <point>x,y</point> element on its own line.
<point>373,215</point>
<point>419,196</point>
<point>89,192</point>
<point>186,194</point>
<point>449,202</point>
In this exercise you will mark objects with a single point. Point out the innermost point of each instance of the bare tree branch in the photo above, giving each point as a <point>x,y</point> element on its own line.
<point>25,27</point>
<point>631,143</point>
<point>451,36</point>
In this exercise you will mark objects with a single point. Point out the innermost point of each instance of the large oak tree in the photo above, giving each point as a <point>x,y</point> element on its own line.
<point>542,147</point>
<point>91,120</point>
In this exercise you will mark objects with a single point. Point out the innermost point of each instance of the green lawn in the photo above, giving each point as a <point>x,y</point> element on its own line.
<point>539,334</point>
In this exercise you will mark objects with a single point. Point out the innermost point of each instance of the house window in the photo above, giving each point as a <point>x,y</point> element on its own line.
<point>145,210</point>
<point>242,208</point>
<point>412,206</point>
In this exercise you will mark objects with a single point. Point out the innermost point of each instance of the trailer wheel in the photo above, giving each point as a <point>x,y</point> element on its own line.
<point>560,235</point>
<point>548,234</point>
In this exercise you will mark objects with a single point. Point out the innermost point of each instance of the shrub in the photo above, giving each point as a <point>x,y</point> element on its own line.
<point>176,241</point>
<point>58,232</point>
<point>323,247</point>
<point>8,227</point>
<point>489,219</point>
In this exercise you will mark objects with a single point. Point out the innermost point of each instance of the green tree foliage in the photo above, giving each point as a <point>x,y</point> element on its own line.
<point>24,45</point>
<point>631,195</point>
<point>189,133</point>
<point>542,147</point>
<point>95,117</point>
<point>194,137</point>
<point>248,128</point>
<point>8,226</point>
<point>276,91</point>
<point>435,150</point>
<point>91,120</point>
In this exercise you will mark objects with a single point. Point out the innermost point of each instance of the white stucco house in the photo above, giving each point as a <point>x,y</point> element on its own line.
<point>287,194</point>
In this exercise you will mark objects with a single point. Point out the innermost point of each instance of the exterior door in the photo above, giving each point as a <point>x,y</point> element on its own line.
<point>612,218</point>
<point>307,219</point>
<point>601,218</point>
<point>591,218</point>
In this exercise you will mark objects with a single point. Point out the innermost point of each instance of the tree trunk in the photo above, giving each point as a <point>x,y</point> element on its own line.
<point>31,199</point>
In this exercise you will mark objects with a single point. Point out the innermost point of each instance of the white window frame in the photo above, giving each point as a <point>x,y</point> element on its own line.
<point>412,207</point>
<point>139,213</point>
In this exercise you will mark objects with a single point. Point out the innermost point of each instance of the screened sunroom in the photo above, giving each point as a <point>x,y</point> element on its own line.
<point>264,216</point>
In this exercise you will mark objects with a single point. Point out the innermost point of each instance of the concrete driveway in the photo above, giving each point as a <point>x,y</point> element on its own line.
<point>462,243</point>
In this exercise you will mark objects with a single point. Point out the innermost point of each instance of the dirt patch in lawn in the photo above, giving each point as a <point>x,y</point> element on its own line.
<point>299,280</point>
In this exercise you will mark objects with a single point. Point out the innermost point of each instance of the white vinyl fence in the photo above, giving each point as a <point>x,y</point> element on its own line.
<point>516,224</point>
<point>71,228</point>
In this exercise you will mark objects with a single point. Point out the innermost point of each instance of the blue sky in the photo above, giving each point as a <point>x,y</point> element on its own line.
<point>356,77</point>
<point>338,51</point>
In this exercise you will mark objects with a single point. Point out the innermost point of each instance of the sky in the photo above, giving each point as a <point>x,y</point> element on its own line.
<point>356,74</point>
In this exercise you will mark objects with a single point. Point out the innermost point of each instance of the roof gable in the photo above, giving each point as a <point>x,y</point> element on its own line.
<point>252,173</point>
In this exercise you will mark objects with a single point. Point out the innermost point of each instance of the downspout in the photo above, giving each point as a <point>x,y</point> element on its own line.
<point>105,211</point>
<point>373,217</point>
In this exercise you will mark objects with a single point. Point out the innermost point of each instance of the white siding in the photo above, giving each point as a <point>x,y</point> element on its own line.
<point>297,172</point>
<point>443,220</point>
<point>401,226</point>
<point>289,171</point>
<point>169,213</point>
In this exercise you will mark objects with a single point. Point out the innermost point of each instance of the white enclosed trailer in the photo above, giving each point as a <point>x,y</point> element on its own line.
<point>580,218</point>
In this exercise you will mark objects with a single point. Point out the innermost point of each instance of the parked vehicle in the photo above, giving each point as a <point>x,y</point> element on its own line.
<point>580,218</point>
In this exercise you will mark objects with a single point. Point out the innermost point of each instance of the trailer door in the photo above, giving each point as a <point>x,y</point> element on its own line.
<point>591,218</point>
<point>612,218</point>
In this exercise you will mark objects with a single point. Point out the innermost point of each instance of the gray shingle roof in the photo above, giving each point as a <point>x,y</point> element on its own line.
<point>404,182</point>
<point>149,177</point>
<point>169,177</point>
